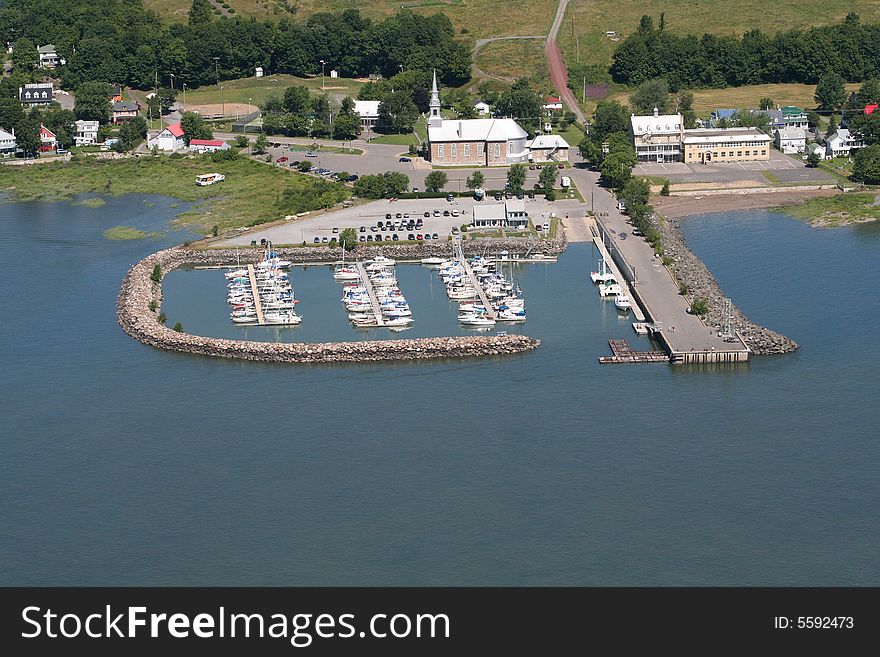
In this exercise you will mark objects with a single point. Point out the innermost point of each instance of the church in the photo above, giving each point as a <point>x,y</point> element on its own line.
<point>473,142</point>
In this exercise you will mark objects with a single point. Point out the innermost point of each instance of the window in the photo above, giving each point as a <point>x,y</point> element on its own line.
<point>467,150</point>
<point>454,150</point>
<point>739,153</point>
<point>763,152</point>
<point>497,149</point>
<point>480,149</point>
<point>439,150</point>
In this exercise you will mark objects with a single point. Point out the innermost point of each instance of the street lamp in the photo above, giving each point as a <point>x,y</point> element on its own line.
<point>184,96</point>
<point>217,68</point>
<point>222,103</point>
<point>172,81</point>
<point>322,74</point>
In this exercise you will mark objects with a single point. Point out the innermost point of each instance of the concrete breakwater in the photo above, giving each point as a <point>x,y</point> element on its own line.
<point>137,319</point>
<point>700,284</point>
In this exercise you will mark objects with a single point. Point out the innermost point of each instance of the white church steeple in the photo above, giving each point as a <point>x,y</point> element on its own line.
<point>435,120</point>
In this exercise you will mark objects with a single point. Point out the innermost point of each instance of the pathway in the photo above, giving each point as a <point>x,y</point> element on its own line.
<point>558,71</point>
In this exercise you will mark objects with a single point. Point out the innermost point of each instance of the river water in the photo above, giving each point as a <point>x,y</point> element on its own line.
<point>125,465</point>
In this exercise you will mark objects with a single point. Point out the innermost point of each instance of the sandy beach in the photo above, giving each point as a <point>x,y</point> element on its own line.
<point>682,206</point>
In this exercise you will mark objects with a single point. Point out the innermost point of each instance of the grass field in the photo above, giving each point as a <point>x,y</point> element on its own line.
<point>706,100</point>
<point>514,59</point>
<point>839,210</point>
<point>251,193</point>
<point>590,19</point>
<point>176,11</point>
<point>256,89</point>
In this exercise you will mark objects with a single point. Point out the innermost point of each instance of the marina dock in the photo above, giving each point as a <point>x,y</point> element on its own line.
<point>475,282</point>
<point>261,319</point>
<point>613,268</point>
<point>371,293</point>
<point>622,352</point>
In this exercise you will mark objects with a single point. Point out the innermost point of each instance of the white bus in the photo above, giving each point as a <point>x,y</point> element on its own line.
<point>209,179</point>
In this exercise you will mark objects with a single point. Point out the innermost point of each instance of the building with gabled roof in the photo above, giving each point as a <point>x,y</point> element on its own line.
<point>658,137</point>
<point>171,138</point>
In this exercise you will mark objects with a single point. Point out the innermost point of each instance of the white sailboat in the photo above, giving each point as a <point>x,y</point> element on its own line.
<point>603,275</point>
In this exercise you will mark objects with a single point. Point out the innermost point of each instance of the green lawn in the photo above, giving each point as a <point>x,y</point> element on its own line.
<point>252,192</point>
<point>839,210</point>
<point>840,167</point>
<point>255,90</point>
<point>573,135</point>
<point>408,139</point>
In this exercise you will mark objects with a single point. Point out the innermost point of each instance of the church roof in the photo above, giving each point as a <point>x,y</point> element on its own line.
<point>476,130</point>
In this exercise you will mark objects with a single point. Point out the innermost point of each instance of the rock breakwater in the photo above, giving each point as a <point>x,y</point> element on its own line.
<point>700,284</point>
<point>140,322</point>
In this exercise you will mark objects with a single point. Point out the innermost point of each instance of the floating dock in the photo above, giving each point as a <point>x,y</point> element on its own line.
<point>475,282</point>
<point>374,301</point>
<point>612,267</point>
<point>261,319</point>
<point>622,352</point>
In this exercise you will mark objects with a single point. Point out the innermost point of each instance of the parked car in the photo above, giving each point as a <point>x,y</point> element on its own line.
<point>374,228</point>
<point>411,237</point>
<point>497,196</point>
<point>455,213</point>
<point>369,238</point>
<point>406,215</point>
<point>561,165</point>
<point>388,216</point>
<point>427,236</point>
<point>325,239</point>
<point>520,195</point>
<point>317,240</point>
<point>281,160</point>
<point>61,151</point>
<point>449,197</point>
<point>363,229</point>
<point>446,213</point>
<point>335,229</point>
<point>311,154</point>
<point>419,236</point>
<point>404,159</point>
<point>398,216</point>
<point>435,236</point>
<point>636,232</point>
<point>427,214</point>
<point>415,190</point>
<point>362,238</point>
<point>394,237</point>
<point>379,238</point>
<point>351,178</point>
<point>436,213</point>
<point>454,230</point>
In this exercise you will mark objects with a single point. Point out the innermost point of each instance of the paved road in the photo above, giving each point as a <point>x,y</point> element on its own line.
<point>654,282</point>
<point>558,71</point>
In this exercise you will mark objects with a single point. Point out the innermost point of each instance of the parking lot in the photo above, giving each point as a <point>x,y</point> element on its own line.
<point>440,222</point>
<point>779,167</point>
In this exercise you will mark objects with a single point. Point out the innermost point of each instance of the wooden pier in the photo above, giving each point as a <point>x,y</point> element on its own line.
<point>622,352</point>
<point>261,319</point>
<point>475,282</point>
<point>374,301</point>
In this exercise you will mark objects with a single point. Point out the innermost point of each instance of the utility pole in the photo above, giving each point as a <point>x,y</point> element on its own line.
<point>578,41</point>
<point>322,74</point>
<point>222,102</point>
<point>217,68</point>
<point>184,96</point>
<point>584,97</point>
<point>172,81</point>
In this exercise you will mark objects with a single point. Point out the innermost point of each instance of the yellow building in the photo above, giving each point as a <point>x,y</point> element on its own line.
<point>704,145</point>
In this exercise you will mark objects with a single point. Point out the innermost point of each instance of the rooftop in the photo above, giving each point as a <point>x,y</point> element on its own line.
<point>476,130</point>
<point>711,135</point>
<point>175,129</point>
<point>548,141</point>
<point>656,124</point>
<point>366,108</point>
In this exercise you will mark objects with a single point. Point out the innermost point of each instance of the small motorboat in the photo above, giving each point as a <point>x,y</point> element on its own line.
<point>622,302</point>
<point>609,290</point>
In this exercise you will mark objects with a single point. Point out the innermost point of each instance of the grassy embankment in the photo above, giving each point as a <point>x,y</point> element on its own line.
<point>839,210</point>
<point>252,193</point>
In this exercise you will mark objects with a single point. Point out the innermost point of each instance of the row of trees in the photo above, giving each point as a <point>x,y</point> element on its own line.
<point>122,42</point>
<point>849,49</point>
<point>297,113</point>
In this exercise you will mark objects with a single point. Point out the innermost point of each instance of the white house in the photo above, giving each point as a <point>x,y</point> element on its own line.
<point>368,110</point>
<point>49,56</point>
<point>841,142</point>
<point>482,107</point>
<point>7,143</point>
<point>170,139</point>
<point>207,145</point>
<point>552,104</point>
<point>790,140</point>
<point>258,72</point>
<point>657,138</point>
<point>86,133</point>
<point>511,214</point>
<point>547,148</point>
<point>818,149</point>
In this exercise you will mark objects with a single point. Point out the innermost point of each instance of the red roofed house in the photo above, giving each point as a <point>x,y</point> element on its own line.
<point>552,103</point>
<point>207,145</point>
<point>170,139</point>
<point>869,109</point>
<point>48,143</point>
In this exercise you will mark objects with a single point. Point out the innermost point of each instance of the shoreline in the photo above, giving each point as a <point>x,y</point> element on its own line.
<point>677,207</point>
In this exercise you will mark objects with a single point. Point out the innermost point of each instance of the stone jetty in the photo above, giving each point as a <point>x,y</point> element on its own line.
<point>138,290</point>
<point>700,284</point>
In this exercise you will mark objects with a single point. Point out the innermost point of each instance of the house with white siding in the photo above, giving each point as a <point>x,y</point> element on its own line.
<point>842,142</point>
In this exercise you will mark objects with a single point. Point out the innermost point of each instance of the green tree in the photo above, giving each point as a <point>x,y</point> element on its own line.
<point>522,103</point>
<point>868,93</point>
<point>516,176</point>
<point>305,166</point>
<point>700,306</point>
<point>10,113</point>
<point>27,135</point>
<point>347,126</point>
<point>866,165</point>
<point>830,92</point>
<point>813,160</point>
<point>435,181</point>
<point>261,145</point>
<point>132,133</point>
<point>635,192</point>
<point>296,99</point>
<point>200,12</point>
<point>167,98</point>
<point>397,113</point>
<point>92,102</point>
<point>465,110</point>
<point>664,191</point>
<point>475,180</point>
<point>241,141</point>
<point>609,117</point>
<point>547,177</point>
<point>156,275</point>
<point>195,127</point>
<point>651,94</point>
<point>348,239</point>
<point>590,151</point>
<point>616,169</point>
<point>24,55</point>
<point>766,103</point>
<point>813,120</point>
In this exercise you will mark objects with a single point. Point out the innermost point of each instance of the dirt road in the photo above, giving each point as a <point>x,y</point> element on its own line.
<point>558,71</point>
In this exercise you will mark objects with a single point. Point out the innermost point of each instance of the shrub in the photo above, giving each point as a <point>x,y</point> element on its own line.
<point>665,189</point>
<point>215,230</point>
<point>550,195</point>
<point>156,276</point>
<point>682,289</point>
<point>161,318</point>
<point>231,10</point>
<point>700,307</point>
<point>176,156</point>
<point>667,261</point>
<point>178,327</point>
<point>152,305</point>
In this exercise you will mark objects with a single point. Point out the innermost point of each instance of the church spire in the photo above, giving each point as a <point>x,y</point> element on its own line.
<point>435,120</point>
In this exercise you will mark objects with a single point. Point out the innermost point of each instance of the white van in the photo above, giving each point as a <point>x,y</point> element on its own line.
<point>621,206</point>
<point>565,182</point>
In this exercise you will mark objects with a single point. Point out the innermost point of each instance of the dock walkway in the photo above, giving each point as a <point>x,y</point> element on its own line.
<point>261,319</point>
<point>374,301</point>
<point>490,310</point>
<point>612,267</point>
<point>622,352</point>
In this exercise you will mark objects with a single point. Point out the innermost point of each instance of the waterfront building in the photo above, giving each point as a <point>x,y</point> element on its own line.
<point>842,142</point>
<point>86,133</point>
<point>49,56</point>
<point>124,110</point>
<point>704,145</point>
<point>790,140</point>
<point>171,138</point>
<point>511,215</point>
<point>48,141</point>
<point>7,143</point>
<point>474,142</point>
<point>207,145</point>
<point>657,138</point>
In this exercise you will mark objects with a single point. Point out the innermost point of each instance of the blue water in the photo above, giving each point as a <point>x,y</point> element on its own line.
<point>125,465</point>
